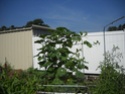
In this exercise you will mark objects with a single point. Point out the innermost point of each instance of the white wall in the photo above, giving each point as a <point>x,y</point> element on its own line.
<point>94,55</point>
<point>36,46</point>
<point>117,39</point>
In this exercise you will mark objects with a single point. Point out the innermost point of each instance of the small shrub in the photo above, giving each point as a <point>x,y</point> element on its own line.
<point>19,82</point>
<point>111,79</point>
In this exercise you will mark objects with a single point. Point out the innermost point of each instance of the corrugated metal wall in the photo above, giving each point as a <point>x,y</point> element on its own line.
<point>16,47</point>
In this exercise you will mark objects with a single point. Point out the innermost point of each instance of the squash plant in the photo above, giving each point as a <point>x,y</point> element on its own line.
<point>61,65</point>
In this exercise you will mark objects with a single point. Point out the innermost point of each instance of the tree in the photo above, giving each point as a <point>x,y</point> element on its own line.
<point>29,23</point>
<point>123,26</point>
<point>120,27</point>
<point>12,27</point>
<point>3,28</point>
<point>36,22</point>
<point>62,66</point>
<point>115,28</point>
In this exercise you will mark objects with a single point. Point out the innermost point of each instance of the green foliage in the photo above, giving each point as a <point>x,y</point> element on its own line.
<point>60,63</point>
<point>88,44</point>
<point>12,27</point>
<point>114,28</point>
<point>111,79</point>
<point>36,22</point>
<point>18,81</point>
<point>3,28</point>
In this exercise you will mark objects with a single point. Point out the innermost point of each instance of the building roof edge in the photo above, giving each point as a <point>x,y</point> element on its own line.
<point>26,29</point>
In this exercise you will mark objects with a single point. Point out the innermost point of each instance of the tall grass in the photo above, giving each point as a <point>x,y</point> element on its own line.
<point>19,81</point>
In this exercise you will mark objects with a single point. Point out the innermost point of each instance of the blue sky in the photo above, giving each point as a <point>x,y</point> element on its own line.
<point>76,15</point>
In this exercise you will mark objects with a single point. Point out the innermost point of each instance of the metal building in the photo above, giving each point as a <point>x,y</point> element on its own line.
<point>16,46</point>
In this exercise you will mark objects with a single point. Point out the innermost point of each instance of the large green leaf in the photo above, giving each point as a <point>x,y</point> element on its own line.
<point>79,74</point>
<point>61,72</point>
<point>69,65</point>
<point>40,58</point>
<point>57,81</point>
<point>80,66</point>
<point>41,63</point>
<point>88,43</point>
<point>47,64</point>
<point>40,41</point>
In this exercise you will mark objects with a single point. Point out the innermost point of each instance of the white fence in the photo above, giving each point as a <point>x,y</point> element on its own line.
<point>94,55</point>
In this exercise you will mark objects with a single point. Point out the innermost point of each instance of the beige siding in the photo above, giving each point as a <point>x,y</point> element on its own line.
<point>16,47</point>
